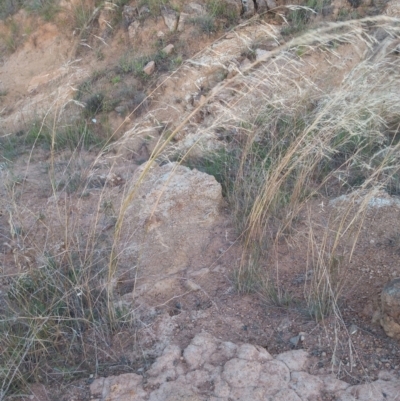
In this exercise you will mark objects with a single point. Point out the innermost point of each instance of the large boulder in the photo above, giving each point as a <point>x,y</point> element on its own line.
<point>390,310</point>
<point>167,228</point>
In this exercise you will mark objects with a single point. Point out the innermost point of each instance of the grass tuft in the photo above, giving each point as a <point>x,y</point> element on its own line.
<point>51,317</point>
<point>206,23</point>
<point>47,9</point>
<point>9,8</point>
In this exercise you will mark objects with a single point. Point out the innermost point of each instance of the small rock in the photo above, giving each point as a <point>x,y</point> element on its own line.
<point>232,71</point>
<point>168,49</point>
<point>271,4</point>
<point>199,100</point>
<point>295,340</point>
<point>284,324</point>
<point>120,109</point>
<point>115,180</point>
<point>390,319</point>
<point>129,14</point>
<point>245,64</point>
<point>353,329</point>
<point>182,19</point>
<point>327,10</point>
<point>160,34</point>
<point>195,8</point>
<point>149,68</point>
<point>308,387</point>
<point>192,286</point>
<point>144,10</point>
<point>295,360</point>
<point>381,34</point>
<point>332,384</point>
<point>133,29</point>
<point>170,19</point>
<point>260,54</point>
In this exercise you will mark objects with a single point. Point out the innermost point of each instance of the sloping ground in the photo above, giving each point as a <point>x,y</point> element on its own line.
<point>177,249</point>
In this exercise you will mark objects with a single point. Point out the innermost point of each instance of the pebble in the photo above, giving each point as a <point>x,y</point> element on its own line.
<point>295,340</point>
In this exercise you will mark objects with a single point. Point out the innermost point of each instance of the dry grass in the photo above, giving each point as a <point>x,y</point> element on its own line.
<point>295,138</point>
<point>290,139</point>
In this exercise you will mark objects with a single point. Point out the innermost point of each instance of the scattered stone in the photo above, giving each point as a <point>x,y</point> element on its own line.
<point>271,4</point>
<point>284,325</point>
<point>210,369</point>
<point>133,29</point>
<point>327,10</point>
<point>390,309</point>
<point>144,10</point>
<point>192,286</point>
<point>198,100</point>
<point>195,8</point>
<point>249,7</point>
<point>182,19</point>
<point>170,19</point>
<point>383,200</point>
<point>261,54</point>
<point>295,340</point>
<point>123,387</point>
<point>168,49</point>
<point>245,64</point>
<point>149,68</point>
<point>381,34</point>
<point>306,386</point>
<point>332,384</point>
<point>235,8</point>
<point>120,109</point>
<point>160,34</point>
<point>232,71</point>
<point>353,329</point>
<point>129,14</point>
<point>115,180</point>
<point>300,338</point>
<point>362,392</point>
<point>294,360</point>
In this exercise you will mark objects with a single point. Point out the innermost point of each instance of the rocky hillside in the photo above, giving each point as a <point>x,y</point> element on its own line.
<point>199,200</point>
